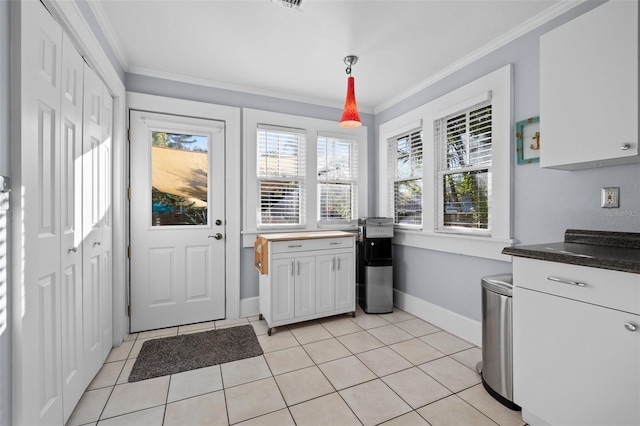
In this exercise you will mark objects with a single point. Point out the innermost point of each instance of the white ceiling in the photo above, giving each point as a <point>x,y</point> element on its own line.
<point>264,47</point>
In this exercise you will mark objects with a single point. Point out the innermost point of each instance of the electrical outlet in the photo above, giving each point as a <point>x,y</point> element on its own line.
<point>610,198</point>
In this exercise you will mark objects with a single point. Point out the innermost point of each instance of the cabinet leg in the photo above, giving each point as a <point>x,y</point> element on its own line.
<point>260,317</point>
<point>353,314</point>
<point>269,331</point>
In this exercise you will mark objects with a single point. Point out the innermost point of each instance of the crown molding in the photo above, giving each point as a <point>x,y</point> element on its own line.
<point>237,88</point>
<point>109,33</point>
<point>527,26</point>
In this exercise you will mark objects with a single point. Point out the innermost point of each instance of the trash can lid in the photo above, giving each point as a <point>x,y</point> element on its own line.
<point>501,284</point>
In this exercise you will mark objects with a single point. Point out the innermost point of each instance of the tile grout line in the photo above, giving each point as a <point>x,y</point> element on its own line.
<point>315,364</point>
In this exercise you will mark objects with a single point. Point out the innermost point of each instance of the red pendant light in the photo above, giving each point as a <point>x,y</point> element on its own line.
<point>350,117</point>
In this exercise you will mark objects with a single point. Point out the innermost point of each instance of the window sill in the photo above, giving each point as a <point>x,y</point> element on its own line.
<point>468,245</point>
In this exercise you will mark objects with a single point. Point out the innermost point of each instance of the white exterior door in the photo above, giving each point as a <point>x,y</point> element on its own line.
<point>71,214</point>
<point>177,235</point>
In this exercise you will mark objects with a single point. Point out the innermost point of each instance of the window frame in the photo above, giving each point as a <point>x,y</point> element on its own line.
<point>496,85</point>
<point>298,177</point>
<point>352,182</point>
<point>393,177</point>
<point>313,128</point>
<point>441,170</point>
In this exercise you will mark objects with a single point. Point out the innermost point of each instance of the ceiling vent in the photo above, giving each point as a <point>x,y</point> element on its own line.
<point>293,4</point>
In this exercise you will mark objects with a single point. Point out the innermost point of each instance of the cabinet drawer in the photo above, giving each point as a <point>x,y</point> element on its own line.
<point>293,246</point>
<point>612,289</point>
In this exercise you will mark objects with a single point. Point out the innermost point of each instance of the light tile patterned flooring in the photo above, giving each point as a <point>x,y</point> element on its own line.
<point>391,369</point>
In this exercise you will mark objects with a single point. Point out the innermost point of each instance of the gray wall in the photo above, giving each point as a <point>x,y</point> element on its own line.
<point>546,202</point>
<point>181,90</point>
<point>5,137</point>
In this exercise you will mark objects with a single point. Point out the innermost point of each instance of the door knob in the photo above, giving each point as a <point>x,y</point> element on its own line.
<point>218,236</point>
<point>630,326</point>
<point>218,222</point>
<point>73,249</point>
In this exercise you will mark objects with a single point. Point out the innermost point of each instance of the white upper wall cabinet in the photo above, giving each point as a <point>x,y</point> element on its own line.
<point>589,89</point>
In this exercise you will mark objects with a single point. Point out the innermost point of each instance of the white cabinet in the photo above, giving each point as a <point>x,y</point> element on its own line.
<point>307,278</point>
<point>576,353</point>
<point>305,286</point>
<point>334,281</point>
<point>282,289</point>
<point>325,282</point>
<point>293,287</point>
<point>589,89</point>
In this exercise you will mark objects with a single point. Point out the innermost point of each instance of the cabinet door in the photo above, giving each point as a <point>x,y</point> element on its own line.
<point>282,291</point>
<point>325,283</point>
<point>345,281</point>
<point>305,286</point>
<point>575,363</point>
<point>589,89</point>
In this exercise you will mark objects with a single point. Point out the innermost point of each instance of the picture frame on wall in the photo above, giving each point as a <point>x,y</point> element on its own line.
<point>528,140</point>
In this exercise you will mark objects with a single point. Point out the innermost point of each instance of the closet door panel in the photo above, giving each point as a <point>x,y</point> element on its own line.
<point>92,274</point>
<point>105,209</point>
<point>74,381</point>
<point>36,217</point>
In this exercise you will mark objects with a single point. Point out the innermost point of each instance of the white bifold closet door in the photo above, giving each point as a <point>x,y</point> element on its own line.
<point>60,203</point>
<point>35,202</point>
<point>71,247</point>
<point>96,197</point>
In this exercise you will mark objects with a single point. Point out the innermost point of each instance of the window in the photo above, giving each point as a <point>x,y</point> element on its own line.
<point>301,174</point>
<point>464,167</point>
<point>337,179</point>
<point>281,171</point>
<point>405,183</point>
<point>463,143</point>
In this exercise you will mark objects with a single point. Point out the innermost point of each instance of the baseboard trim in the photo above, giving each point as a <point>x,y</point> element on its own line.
<point>249,307</point>
<point>452,322</point>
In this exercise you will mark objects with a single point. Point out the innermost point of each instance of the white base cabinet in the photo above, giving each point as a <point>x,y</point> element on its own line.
<point>576,362</point>
<point>308,279</point>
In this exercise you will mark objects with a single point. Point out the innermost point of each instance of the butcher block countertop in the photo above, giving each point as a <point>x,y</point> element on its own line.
<point>306,235</point>
<point>261,248</point>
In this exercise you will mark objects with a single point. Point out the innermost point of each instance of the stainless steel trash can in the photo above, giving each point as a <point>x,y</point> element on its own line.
<point>497,338</point>
<point>376,295</point>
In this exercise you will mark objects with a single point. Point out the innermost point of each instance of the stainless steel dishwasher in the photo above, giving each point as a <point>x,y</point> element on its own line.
<point>497,338</point>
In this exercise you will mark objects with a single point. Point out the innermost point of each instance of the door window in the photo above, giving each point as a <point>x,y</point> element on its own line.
<point>179,165</point>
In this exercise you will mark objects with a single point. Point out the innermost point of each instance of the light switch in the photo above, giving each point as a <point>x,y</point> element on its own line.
<point>610,198</point>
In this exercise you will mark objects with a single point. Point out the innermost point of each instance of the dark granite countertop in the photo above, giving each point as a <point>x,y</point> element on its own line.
<point>619,251</point>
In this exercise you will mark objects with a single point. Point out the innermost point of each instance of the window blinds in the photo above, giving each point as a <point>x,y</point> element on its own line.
<point>337,179</point>
<point>405,162</point>
<point>281,171</point>
<point>464,169</point>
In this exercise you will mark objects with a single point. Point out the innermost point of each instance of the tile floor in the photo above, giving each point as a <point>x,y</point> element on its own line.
<point>391,369</point>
